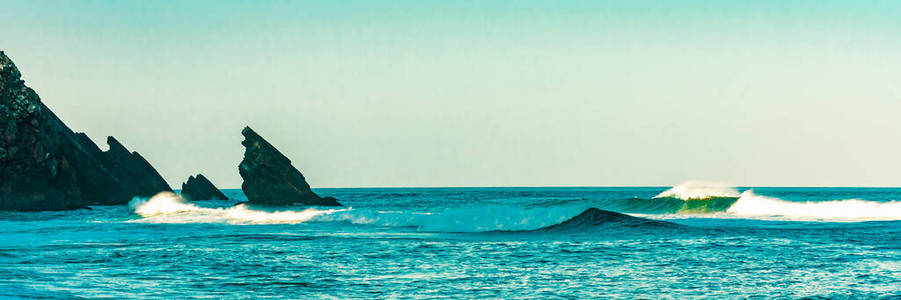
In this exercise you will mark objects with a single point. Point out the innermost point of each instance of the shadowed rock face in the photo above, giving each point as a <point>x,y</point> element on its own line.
<point>46,166</point>
<point>117,174</point>
<point>200,188</point>
<point>138,177</point>
<point>269,177</point>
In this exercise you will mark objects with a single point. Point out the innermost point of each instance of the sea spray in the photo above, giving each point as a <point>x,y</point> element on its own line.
<point>161,204</point>
<point>699,190</point>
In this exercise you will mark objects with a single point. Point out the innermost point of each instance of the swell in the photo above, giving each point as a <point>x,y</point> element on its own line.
<point>501,219</point>
<point>594,218</point>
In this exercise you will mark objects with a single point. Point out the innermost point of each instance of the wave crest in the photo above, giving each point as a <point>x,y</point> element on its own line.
<point>699,190</point>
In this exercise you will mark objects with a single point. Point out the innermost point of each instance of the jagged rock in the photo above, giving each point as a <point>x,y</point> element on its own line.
<point>269,177</point>
<point>120,175</point>
<point>46,166</point>
<point>135,172</point>
<point>200,188</point>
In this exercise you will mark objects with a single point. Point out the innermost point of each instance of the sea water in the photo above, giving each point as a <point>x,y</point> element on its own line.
<point>467,243</point>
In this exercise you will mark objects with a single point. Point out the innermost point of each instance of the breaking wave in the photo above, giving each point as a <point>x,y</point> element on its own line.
<point>669,205</point>
<point>700,197</point>
<point>167,207</point>
<point>753,205</point>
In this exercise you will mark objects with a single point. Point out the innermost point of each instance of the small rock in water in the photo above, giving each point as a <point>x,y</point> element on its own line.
<point>200,188</point>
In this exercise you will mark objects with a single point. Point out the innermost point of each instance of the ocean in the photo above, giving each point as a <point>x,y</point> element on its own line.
<point>692,241</point>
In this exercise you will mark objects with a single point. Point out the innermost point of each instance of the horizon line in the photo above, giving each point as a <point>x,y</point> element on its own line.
<point>580,186</point>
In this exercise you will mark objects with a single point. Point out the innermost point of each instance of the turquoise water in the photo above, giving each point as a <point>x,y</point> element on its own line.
<point>466,243</point>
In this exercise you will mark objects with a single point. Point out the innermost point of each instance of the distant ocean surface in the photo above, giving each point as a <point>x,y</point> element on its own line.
<point>468,243</point>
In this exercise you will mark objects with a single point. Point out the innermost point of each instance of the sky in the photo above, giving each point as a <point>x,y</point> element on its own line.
<point>480,93</point>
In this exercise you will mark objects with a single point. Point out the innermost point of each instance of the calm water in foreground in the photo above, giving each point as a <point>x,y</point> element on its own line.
<point>466,243</point>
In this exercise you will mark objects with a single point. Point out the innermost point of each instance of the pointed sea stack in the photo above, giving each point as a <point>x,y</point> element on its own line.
<point>200,188</point>
<point>140,178</point>
<point>44,165</point>
<point>269,177</point>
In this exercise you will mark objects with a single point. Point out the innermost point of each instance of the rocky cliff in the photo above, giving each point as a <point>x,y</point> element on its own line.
<point>200,188</point>
<point>46,166</point>
<point>269,177</point>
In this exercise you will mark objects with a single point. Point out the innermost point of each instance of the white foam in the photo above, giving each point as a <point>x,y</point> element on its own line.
<point>751,204</point>
<point>696,189</point>
<point>167,207</point>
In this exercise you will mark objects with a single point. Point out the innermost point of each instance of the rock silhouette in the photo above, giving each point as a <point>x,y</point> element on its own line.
<point>200,188</point>
<point>44,165</point>
<point>269,177</point>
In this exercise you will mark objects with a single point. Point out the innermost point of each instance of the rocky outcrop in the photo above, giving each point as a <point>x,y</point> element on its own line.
<point>116,176</point>
<point>200,188</point>
<point>46,166</point>
<point>269,177</point>
<point>138,177</point>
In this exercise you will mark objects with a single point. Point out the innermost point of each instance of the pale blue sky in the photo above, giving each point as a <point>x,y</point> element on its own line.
<point>458,93</point>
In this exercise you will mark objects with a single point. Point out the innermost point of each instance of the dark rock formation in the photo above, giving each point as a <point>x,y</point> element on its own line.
<point>46,166</point>
<point>200,188</point>
<point>138,177</point>
<point>269,177</point>
<point>116,175</point>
